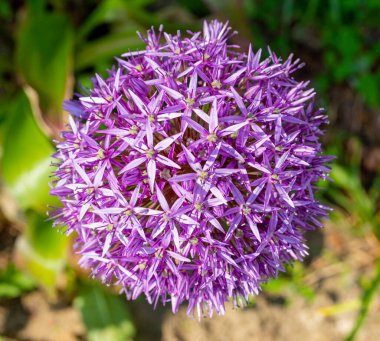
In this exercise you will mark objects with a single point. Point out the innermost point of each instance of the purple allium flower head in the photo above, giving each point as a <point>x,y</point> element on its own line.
<point>189,173</point>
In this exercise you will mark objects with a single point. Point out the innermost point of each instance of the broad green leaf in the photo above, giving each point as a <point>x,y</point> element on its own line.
<point>44,57</point>
<point>26,157</point>
<point>42,250</point>
<point>14,282</point>
<point>105,315</point>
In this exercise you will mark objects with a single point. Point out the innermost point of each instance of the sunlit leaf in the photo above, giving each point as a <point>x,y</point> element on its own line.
<point>26,157</point>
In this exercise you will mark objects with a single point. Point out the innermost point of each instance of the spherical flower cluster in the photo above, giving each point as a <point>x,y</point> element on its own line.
<point>189,173</point>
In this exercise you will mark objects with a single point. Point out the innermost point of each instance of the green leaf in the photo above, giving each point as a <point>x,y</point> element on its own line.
<point>42,250</point>
<point>105,315</point>
<point>13,282</point>
<point>26,157</point>
<point>44,56</point>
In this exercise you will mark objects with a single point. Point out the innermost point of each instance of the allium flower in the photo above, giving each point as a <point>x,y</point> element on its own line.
<point>189,173</point>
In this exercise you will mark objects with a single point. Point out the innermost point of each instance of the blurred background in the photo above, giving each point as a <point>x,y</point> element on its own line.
<point>49,47</point>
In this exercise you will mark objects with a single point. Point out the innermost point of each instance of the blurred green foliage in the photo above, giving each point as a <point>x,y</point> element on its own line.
<point>367,296</point>
<point>355,202</point>
<point>291,282</point>
<point>104,314</point>
<point>14,282</point>
<point>344,33</point>
<point>43,251</point>
<point>44,63</point>
<point>49,47</point>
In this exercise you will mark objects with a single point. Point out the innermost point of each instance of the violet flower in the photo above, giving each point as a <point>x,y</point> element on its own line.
<point>189,173</point>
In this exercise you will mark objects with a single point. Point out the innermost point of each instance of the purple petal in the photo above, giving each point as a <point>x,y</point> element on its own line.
<point>254,228</point>
<point>139,103</point>
<point>284,196</point>
<point>218,194</point>
<point>236,194</point>
<point>161,199</point>
<point>110,210</point>
<point>230,150</point>
<point>159,228</point>
<point>146,211</point>
<point>135,195</point>
<point>173,93</point>
<point>213,117</point>
<point>149,134</point>
<point>164,160</point>
<point>178,203</point>
<point>99,175</point>
<point>151,173</point>
<point>183,177</point>
<point>256,192</point>
<point>175,236</point>
<point>211,159</point>
<point>189,156</point>
<point>178,256</point>
<point>235,223</point>
<point>169,116</point>
<point>231,129</point>
<point>82,174</point>
<point>167,142</point>
<point>107,244</point>
<point>234,76</point>
<point>225,171</point>
<point>93,100</point>
<point>202,115</point>
<point>196,126</point>
<point>239,102</point>
<point>133,164</point>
